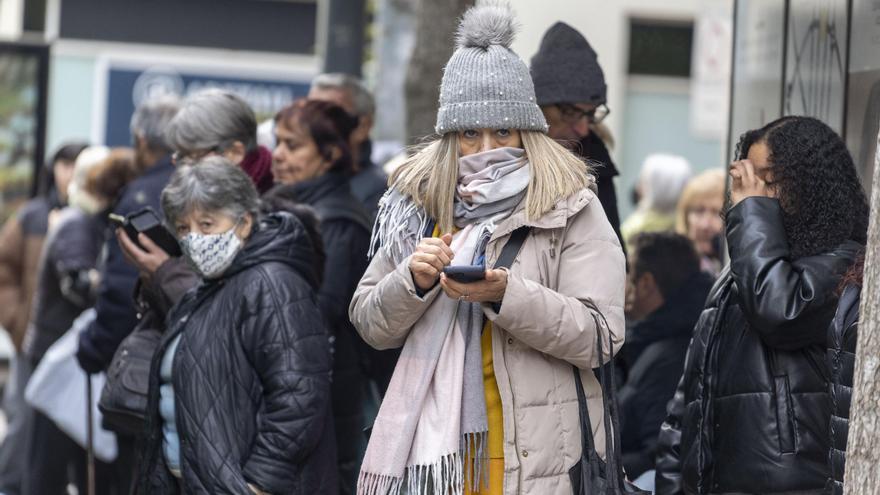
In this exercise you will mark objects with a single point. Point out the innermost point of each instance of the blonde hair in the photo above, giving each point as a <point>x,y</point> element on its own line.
<point>709,184</point>
<point>430,176</point>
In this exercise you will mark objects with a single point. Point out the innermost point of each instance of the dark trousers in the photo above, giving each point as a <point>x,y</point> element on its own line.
<point>53,460</point>
<point>18,415</point>
<point>127,462</point>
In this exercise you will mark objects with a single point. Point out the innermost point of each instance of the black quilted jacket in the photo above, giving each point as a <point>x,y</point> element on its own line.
<point>751,411</point>
<point>842,336</point>
<point>251,377</point>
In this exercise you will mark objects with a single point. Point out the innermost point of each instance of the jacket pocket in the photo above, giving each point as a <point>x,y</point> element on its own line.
<point>784,415</point>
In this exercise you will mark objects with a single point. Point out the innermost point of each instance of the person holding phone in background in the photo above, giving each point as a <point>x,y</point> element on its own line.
<point>486,363</point>
<point>116,315</point>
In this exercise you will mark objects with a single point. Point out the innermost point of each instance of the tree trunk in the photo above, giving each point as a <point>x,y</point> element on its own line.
<point>435,28</point>
<point>863,448</point>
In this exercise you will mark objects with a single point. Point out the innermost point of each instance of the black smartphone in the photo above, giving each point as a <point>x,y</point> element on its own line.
<point>466,274</point>
<point>147,222</point>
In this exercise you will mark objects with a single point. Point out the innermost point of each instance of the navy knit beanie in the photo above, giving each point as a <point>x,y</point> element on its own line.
<point>566,69</point>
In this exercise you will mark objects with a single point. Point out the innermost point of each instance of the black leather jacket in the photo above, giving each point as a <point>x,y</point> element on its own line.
<point>251,377</point>
<point>750,414</point>
<point>842,337</point>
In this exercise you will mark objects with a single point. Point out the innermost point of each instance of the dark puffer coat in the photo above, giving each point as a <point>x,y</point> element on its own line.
<point>64,288</point>
<point>345,231</point>
<point>842,337</point>
<point>750,414</point>
<point>251,377</point>
<point>593,148</point>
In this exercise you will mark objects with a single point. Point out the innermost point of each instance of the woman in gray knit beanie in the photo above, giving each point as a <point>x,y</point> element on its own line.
<point>483,398</point>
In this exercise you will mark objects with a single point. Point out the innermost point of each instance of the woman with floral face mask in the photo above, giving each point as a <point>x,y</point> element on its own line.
<point>483,398</point>
<point>239,397</point>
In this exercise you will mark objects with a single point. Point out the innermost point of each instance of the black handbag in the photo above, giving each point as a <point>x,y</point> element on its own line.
<point>123,402</point>
<point>592,475</point>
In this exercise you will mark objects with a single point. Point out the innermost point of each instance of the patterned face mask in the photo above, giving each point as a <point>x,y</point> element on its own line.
<point>211,254</point>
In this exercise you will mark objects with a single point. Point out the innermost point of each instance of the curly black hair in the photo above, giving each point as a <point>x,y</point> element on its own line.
<point>816,182</point>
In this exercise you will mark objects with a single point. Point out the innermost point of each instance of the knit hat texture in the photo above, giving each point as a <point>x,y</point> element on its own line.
<point>566,69</point>
<point>485,84</point>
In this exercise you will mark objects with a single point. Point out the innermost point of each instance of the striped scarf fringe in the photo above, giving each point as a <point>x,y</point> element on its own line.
<point>448,476</point>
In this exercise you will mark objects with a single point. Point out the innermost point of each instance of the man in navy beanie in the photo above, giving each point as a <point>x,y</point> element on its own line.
<point>570,89</point>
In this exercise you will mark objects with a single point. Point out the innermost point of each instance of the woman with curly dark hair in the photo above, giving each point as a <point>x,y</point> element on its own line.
<point>752,409</point>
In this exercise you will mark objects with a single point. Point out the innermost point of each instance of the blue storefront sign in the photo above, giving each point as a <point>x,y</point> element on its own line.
<point>127,88</point>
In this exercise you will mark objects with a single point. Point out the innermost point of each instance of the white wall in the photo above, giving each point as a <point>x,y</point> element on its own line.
<point>11,12</point>
<point>648,114</point>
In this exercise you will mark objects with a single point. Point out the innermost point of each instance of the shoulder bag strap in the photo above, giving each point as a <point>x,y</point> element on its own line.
<point>509,252</point>
<point>511,249</point>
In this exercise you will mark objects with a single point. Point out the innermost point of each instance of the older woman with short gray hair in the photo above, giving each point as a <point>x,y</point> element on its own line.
<point>239,396</point>
<point>219,122</point>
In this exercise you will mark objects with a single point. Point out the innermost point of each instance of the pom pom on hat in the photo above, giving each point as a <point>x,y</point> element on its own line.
<point>487,24</point>
<point>485,84</point>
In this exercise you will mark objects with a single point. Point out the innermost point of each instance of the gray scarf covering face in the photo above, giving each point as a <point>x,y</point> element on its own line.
<point>431,431</point>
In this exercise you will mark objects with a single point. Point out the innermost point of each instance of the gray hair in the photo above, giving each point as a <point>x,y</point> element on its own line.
<point>364,104</point>
<point>212,184</point>
<point>662,179</point>
<point>151,119</point>
<point>211,120</point>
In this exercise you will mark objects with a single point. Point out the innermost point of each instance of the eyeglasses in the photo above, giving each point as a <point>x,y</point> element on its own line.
<point>572,113</point>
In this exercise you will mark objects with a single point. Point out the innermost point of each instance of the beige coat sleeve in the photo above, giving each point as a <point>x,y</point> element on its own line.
<point>386,304</point>
<point>560,322</point>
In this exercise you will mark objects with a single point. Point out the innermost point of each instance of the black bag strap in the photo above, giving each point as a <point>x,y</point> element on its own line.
<point>588,445</point>
<point>613,469</point>
<point>511,249</point>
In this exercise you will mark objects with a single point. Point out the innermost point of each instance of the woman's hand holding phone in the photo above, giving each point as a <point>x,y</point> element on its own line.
<point>428,260</point>
<point>146,260</point>
<point>489,290</point>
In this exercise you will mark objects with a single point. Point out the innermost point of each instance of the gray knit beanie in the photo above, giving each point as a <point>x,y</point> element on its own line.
<point>485,84</point>
<point>566,69</point>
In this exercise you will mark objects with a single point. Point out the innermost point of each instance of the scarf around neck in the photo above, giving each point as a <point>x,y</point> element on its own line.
<point>257,164</point>
<point>430,435</point>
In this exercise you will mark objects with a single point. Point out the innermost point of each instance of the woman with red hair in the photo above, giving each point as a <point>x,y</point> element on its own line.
<point>312,165</point>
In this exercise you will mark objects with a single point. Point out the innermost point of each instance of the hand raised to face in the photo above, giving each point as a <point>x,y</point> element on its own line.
<point>748,181</point>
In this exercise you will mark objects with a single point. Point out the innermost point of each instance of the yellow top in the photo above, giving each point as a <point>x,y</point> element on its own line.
<point>494,415</point>
<point>493,397</point>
